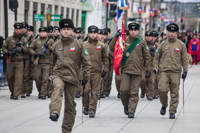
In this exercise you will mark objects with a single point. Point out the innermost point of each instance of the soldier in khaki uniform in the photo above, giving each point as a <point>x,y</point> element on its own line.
<point>14,73</point>
<point>131,67</point>
<point>147,85</point>
<point>98,57</point>
<point>56,34</point>
<point>26,70</point>
<point>68,56</point>
<point>172,54</point>
<point>42,69</point>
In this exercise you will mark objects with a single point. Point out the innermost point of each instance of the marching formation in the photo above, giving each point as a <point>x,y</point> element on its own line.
<point>61,61</point>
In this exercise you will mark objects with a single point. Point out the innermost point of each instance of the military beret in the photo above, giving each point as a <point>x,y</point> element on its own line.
<point>104,32</point>
<point>31,28</point>
<point>50,29</point>
<point>134,26</point>
<point>155,33</point>
<point>126,32</point>
<point>24,25</point>
<point>17,25</point>
<point>66,23</point>
<point>42,29</point>
<point>99,31</point>
<point>149,33</point>
<point>172,27</point>
<point>92,28</point>
<point>107,29</point>
<point>56,28</point>
<point>78,30</point>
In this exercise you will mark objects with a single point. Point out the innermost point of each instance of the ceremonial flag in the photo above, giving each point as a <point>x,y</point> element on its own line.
<point>120,43</point>
<point>140,10</point>
<point>105,2</point>
<point>162,17</point>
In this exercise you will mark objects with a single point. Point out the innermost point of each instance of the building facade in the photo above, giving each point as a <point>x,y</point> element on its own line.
<point>28,8</point>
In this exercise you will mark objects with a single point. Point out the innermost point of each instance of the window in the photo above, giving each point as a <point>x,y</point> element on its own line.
<point>26,8</point>
<point>77,14</point>
<point>50,9</point>
<point>67,13</point>
<point>42,12</point>
<point>62,12</point>
<point>35,5</point>
<point>72,17</point>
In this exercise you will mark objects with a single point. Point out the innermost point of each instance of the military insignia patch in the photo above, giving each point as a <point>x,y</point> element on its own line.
<point>147,48</point>
<point>108,49</point>
<point>27,44</point>
<point>157,50</point>
<point>86,52</point>
<point>127,54</point>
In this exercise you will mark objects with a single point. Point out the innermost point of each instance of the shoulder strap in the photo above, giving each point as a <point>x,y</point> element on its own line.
<point>37,44</point>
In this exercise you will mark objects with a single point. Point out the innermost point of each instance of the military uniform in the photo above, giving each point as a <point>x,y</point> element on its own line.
<point>147,85</point>
<point>172,54</point>
<point>68,55</point>
<point>42,69</point>
<point>132,70</point>
<point>14,71</point>
<point>98,57</point>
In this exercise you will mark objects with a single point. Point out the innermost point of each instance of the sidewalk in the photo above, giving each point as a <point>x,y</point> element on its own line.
<point>31,115</point>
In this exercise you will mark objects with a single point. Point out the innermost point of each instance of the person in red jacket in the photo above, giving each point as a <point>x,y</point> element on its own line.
<point>193,49</point>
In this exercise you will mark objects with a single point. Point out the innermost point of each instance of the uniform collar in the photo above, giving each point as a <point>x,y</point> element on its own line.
<point>172,40</point>
<point>132,39</point>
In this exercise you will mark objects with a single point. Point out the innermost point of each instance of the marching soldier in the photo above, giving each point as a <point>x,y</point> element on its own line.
<point>171,55</point>
<point>99,35</point>
<point>131,67</point>
<point>56,33</point>
<point>49,31</point>
<point>30,30</point>
<point>68,55</point>
<point>15,68</point>
<point>98,57</point>
<point>26,70</point>
<point>148,84</point>
<point>42,69</point>
<point>126,34</point>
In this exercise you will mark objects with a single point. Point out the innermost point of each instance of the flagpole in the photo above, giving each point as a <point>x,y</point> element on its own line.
<point>140,16</point>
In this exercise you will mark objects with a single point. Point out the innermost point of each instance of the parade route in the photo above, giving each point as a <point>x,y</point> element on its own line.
<point>31,115</point>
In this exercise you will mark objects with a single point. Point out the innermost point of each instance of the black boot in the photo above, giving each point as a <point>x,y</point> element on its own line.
<point>23,96</point>
<point>43,97</point>
<point>126,110</point>
<point>91,115</point>
<point>163,110</point>
<point>171,116</point>
<point>130,115</point>
<point>142,95</point>
<point>49,96</point>
<point>85,111</point>
<point>11,96</point>
<point>39,96</point>
<point>106,95</point>
<point>118,95</point>
<point>54,117</point>
<point>98,98</point>
<point>102,96</point>
<point>149,99</point>
<point>155,97</point>
<point>78,95</point>
<point>28,94</point>
<point>15,97</point>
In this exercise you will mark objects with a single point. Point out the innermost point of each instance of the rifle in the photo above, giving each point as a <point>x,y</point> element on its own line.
<point>36,36</point>
<point>80,34</point>
<point>15,49</point>
<point>31,37</point>
<point>85,38</point>
<point>43,51</point>
<point>56,37</point>
<point>106,40</point>
<point>153,51</point>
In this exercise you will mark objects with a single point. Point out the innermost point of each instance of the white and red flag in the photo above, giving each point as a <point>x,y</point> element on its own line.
<point>120,43</point>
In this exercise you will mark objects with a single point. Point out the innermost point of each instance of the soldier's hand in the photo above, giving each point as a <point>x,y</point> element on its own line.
<point>103,74</point>
<point>10,53</point>
<point>84,82</point>
<point>18,44</point>
<point>184,75</point>
<point>148,75</point>
<point>37,54</point>
<point>155,71</point>
<point>118,33</point>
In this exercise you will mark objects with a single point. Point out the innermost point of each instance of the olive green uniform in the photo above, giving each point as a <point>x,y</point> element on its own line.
<point>132,72</point>
<point>66,70</point>
<point>98,57</point>
<point>147,85</point>
<point>157,77</point>
<point>172,54</point>
<point>14,73</point>
<point>42,69</point>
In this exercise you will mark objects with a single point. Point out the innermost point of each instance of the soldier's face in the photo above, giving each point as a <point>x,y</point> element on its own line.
<point>56,32</point>
<point>43,33</point>
<point>24,30</point>
<point>30,32</point>
<point>17,31</point>
<point>99,36</point>
<point>92,35</point>
<point>148,38</point>
<point>133,32</point>
<point>66,32</point>
<point>172,34</point>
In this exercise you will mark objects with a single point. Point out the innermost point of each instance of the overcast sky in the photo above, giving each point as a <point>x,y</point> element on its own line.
<point>196,1</point>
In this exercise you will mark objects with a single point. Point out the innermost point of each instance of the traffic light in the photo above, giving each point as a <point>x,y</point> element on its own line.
<point>13,4</point>
<point>112,12</point>
<point>181,19</point>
